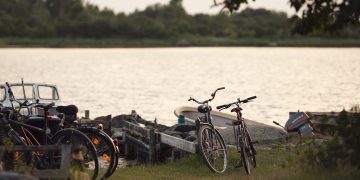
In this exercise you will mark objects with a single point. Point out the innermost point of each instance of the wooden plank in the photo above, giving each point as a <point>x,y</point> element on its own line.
<point>137,130</point>
<point>135,142</point>
<point>65,158</point>
<point>178,143</point>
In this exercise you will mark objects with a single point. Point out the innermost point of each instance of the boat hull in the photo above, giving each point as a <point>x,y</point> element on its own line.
<point>222,121</point>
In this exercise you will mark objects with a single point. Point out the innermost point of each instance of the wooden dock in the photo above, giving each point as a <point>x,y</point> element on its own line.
<point>148,141</point>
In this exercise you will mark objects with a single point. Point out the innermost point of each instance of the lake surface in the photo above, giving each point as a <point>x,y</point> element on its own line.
<point>154,81</point>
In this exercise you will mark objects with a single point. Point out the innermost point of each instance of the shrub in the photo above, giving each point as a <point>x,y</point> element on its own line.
<point>344,146</point>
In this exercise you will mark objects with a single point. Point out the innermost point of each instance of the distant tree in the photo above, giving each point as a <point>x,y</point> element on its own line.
<point>317,15</point>
<point>76,19</point>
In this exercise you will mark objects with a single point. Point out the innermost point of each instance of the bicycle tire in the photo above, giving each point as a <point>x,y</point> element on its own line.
<point>74,137</point>
<point>244,154</point>
<point>206,137</point>
<point>105,148</point>
<point>252,155</point>
<point>117,153</point>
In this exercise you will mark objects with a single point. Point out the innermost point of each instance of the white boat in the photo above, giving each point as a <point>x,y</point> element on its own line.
<point>222,121</point>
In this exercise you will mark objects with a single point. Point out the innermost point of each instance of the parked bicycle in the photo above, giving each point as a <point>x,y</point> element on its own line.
<point>62,117</point>
<point>210,143</point>
<point>244,143</point>
<point>106,149</point>
<point>66,117</point>
<point>83,151</point>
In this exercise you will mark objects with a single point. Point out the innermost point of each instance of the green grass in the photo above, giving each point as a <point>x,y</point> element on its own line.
<point>272,164</point>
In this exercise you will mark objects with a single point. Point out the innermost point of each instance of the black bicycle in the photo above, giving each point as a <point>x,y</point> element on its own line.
<point>244,143</point>
<point>210,143</point>
<point>19,133</point>
<point>107,151</point>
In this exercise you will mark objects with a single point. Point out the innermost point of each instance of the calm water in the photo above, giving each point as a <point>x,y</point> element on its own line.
<point>155,81</point>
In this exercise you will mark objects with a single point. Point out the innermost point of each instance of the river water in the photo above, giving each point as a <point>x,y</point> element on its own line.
<point>154,81</point>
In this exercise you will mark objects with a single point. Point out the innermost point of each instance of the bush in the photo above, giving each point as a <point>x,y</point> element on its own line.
<point>343,148</point>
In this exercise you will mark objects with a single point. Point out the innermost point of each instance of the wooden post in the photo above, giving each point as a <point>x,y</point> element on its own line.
<point>126,151</point>
<point>87,114</point>
<point>178,142</point>
<point>108,119</point>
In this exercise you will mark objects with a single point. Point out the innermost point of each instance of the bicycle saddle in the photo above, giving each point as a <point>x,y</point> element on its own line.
<point>204,108</point>
<point>68,110</point>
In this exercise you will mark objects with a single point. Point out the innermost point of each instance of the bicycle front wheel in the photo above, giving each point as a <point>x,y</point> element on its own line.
<point>105,149</point>
<point>212,148</point>
<point>84,162</point>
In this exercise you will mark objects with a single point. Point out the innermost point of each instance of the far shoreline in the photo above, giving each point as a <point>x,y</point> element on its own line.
<point>309,42</point>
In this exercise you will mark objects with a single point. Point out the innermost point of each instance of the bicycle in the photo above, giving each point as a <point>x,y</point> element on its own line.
<point>104,144</point>
<point>210,143</point>
<point>244,143</point>
<point>83,151</point>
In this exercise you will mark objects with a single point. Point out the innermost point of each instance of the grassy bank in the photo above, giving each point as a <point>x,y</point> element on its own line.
<point>190,42</point>
<point>272,164</point>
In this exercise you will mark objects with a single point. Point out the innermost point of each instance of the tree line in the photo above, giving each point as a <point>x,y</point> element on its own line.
<point>76,19</point>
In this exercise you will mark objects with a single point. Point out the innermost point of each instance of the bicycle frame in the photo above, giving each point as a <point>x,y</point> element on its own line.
<point>24,127</point>
<point>239,128</point>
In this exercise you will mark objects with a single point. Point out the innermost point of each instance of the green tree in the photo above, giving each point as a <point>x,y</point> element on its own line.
<point>317,15</point>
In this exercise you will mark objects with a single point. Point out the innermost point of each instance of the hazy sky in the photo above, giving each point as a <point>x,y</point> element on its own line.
<point>191,6</point>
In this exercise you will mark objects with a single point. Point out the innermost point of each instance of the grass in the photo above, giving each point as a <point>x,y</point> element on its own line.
<point>272,164</point>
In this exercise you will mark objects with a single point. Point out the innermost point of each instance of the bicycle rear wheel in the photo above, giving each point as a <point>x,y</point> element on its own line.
<point>252,152</point>
<point>212,148</point>
<point>105,150</point>
<point>84,163</point>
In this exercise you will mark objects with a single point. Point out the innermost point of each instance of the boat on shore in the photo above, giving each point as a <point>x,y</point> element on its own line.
<point>222,121</point>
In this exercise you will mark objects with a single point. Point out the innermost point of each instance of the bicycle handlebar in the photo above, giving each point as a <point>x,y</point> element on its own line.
<point>225,106</point>
<point>252,97</point>
<point>206,101</point>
